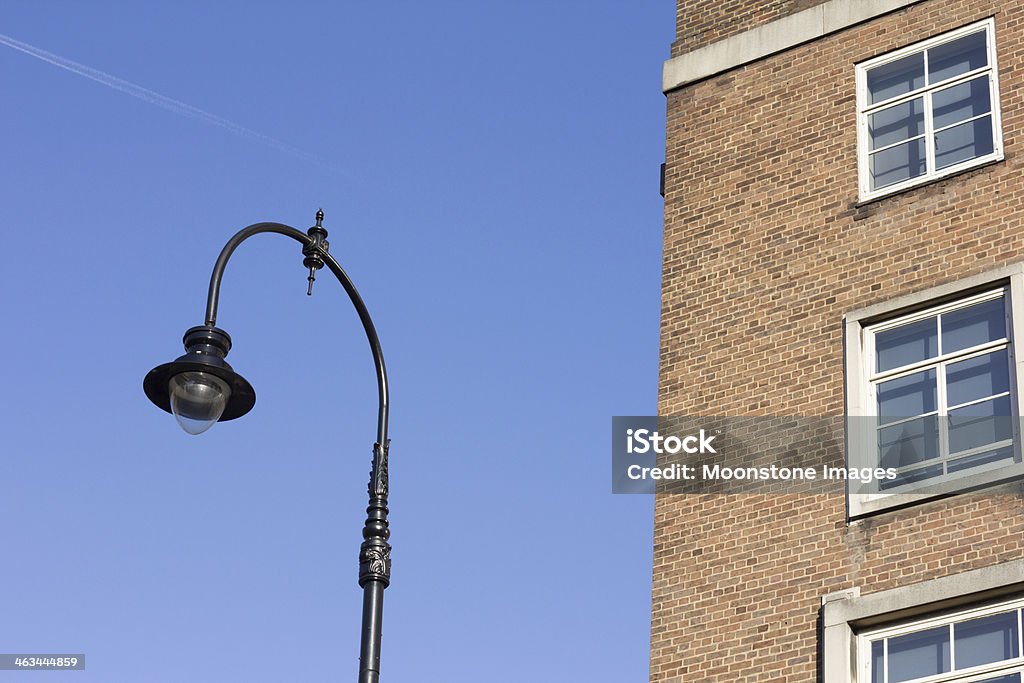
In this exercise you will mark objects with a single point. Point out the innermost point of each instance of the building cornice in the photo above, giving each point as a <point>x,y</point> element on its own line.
<point>772,38</point>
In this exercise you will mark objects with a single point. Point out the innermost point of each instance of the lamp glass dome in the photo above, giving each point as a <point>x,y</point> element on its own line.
<point>198,400</point>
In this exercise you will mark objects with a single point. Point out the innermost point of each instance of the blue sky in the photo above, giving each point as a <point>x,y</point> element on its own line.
<point>490,178</point>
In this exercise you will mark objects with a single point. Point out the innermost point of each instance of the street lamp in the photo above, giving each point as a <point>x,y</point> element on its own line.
<point>200,389</point>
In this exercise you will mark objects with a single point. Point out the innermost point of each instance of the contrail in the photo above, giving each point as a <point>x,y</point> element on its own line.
<point>147,95</point>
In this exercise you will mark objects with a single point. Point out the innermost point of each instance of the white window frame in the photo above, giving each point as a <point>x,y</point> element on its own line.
<point>861,438</point>
<point>864,110</point>
<point>978,673</point>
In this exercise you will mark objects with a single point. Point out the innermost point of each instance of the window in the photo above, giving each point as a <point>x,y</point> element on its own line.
<point>928,110</point>
<point>932,391</point>
<point>979,645</point>
<point>940,384</point>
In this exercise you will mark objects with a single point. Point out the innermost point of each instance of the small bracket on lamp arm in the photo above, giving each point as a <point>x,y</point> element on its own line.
<point>313,250</point>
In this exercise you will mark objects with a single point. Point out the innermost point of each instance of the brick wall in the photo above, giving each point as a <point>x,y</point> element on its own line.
<point>764,250</point>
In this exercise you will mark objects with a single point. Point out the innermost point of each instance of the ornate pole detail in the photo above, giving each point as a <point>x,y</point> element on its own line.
<point>379,472</point>
<point>375,552</point>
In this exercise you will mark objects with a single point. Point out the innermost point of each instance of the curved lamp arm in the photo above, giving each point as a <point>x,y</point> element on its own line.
<point>213,299</point>
<point>375,551</point>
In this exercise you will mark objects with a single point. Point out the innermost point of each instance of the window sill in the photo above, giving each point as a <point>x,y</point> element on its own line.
<point>867,505</point>
<point>928,183</point>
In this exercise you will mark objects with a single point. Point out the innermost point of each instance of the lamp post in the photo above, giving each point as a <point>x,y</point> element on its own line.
<point>200,388</point>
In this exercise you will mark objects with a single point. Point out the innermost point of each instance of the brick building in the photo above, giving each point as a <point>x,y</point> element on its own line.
<point>843,235</point>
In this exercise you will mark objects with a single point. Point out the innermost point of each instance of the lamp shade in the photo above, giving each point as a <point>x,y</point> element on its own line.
<point>200,388</point>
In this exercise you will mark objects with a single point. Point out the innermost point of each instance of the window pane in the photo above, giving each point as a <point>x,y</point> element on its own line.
<point>960,143</point>
<point>897,123</point>
<point>908,443</point>
<point>906,344</point>
<point>978,377</point>
<point>961,102</point>
<point>985,640</point>
<point>896,78</point>
<point>906,397</point>
<point>980,424</point>
<point>973,325</point>
<point>899,163</point>
<point>957,57</point>
<point>915,655</point>
<point>979,459</point>
<point>877,662</point>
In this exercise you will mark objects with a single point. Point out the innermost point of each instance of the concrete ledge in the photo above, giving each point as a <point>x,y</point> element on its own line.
<point>773,37</point>
<point>839,616</point>
<point>915,299</point>
<point>926,596</point>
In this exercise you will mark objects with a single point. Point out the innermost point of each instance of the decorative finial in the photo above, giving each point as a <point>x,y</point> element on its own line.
<point>319,218</point>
